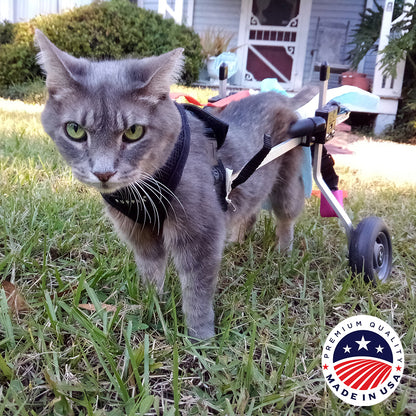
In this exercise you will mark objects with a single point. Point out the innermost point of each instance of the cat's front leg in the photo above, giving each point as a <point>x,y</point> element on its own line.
<point>151,260</point>
<point>198,263</point>
<point>148,247</point>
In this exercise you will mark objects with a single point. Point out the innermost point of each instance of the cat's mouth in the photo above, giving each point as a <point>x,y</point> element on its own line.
<point>109,188</point>
<point>114,186</point>
<point>103,187</point>
<point>106,188</point>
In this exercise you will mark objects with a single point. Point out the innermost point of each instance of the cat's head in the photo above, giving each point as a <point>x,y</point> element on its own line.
<point>112,121</point>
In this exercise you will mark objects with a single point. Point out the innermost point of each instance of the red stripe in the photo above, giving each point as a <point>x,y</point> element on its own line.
<point>382,376</point>
<point>362,374</point>
<point>347,363</point>
<point>221,103</point>
<point>367,379</point>
<point>349,370</point>
<point>358,373</point>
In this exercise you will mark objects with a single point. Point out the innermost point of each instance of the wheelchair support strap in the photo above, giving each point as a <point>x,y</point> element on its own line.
<point>251,166</point>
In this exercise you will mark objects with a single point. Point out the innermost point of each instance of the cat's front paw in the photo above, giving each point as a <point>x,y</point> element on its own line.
<point>201,333</point>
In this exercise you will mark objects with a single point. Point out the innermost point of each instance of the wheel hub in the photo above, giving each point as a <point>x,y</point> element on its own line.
<point>379,254</point>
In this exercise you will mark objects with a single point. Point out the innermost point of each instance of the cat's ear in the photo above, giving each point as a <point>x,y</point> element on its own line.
<point>62,70</point>
<point>154,76</point>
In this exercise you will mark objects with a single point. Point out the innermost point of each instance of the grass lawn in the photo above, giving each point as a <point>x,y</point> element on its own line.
<point>273,313</point>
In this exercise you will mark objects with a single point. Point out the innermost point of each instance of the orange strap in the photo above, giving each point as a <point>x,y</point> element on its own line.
<point>190,99</point>
<point>219,104</point>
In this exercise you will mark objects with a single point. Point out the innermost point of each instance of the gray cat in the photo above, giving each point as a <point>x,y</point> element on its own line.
<point>117,128</point>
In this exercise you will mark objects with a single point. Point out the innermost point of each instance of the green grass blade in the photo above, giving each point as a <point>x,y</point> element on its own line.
<point>5,320</point>
<point>5,369</point>
<point>146,364</point>
<point>176,388</point>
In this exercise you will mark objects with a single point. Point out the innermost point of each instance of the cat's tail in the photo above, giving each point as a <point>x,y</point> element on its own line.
<point>306,94</point>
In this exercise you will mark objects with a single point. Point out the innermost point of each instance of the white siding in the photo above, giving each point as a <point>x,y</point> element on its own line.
<point>224,14</point>
<point>22,10</point>
<point>335,11</point>
<point>370,63</point>
<point>151,4</point>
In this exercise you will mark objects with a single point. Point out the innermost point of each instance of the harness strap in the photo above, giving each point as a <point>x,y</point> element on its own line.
<point>214,127</point>
<point>251,166</point>
<point>171,172</point>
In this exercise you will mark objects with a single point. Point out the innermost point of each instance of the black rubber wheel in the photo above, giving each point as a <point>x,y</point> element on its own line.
<point>370,250</point>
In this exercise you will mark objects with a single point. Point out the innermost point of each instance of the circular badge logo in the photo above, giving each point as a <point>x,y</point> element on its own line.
<point>363,360</point>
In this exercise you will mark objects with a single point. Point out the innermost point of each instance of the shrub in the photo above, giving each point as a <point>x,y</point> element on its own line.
<point>6,32</point>
<point>404,129</point>
<point>33,92</point>
<point>101,30</point>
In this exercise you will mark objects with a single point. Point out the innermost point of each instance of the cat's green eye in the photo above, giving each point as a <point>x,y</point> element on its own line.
<point>75,131</point>
<point>133,133</point>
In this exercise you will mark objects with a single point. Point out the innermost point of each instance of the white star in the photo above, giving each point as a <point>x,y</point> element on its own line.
<point>380,349</point>
<point>347,349</point>
<point>363,343</point>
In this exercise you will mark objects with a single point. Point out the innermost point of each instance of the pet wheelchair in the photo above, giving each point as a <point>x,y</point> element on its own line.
<point>369,244</point>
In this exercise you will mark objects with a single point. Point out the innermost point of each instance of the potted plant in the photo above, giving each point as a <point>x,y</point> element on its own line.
<point>214,42</point>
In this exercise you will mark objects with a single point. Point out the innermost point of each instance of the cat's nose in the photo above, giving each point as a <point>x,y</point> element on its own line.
<point>104,176</point>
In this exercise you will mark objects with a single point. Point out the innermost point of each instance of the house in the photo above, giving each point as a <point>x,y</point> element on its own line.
<point>288,39</point>
<point>283,39</point>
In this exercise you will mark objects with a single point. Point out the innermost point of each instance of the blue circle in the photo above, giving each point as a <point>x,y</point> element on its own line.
<point>363,344</point>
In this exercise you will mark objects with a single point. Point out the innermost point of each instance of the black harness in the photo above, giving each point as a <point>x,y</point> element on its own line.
<point>145,202</point>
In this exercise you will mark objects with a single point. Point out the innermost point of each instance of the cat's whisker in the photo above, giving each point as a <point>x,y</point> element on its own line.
<point>151,180</point>
<point>160,197</point>
<point>126,194</point>
<point>180,224</point>
<point>135,194</point>
<point>131,194</point>
<point>147,176</point>
<point>162,186</point>
<point>163,198</point>
<point>137,185</point>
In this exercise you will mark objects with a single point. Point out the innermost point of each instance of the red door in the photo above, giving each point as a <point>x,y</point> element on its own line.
<point>275,47</point>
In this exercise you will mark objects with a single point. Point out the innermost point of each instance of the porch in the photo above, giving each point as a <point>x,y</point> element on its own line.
<point>288,39</point>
